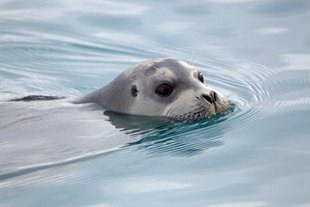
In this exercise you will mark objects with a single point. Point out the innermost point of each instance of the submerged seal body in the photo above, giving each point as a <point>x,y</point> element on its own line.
<point>160,87</point>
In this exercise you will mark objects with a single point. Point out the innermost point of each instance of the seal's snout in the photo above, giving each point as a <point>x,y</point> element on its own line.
<point>211,98</point>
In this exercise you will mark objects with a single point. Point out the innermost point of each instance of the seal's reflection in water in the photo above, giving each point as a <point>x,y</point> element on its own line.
<point>161,136</point>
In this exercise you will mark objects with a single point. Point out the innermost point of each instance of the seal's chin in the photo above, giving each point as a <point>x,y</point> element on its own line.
<point>200,111</point>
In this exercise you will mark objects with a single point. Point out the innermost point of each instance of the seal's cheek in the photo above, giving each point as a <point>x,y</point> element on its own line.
<point>183,103</point>
<point>143,105</point>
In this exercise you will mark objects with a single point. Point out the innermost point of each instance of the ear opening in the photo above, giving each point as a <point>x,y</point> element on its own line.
<point>134,90</point>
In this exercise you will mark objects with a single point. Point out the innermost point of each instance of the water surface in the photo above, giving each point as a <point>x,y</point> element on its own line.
<point>255,52</point>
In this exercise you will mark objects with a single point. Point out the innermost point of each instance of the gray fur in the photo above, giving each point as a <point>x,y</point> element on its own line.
<point>185,102</point>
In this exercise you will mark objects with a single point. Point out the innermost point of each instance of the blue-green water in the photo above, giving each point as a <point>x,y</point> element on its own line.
<point>255,52</point>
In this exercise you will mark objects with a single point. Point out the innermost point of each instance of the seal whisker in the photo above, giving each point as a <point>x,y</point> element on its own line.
<point>168,112</point>
<point>227,96</point>
<point>157,68</point>
<point>191,61</point>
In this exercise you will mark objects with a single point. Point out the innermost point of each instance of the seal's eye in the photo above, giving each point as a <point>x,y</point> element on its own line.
<point>164,89</point>
<point>200,77</point>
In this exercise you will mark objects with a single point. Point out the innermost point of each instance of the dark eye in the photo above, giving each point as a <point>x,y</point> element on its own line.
<point>200,77</point>
<point>164,89</point>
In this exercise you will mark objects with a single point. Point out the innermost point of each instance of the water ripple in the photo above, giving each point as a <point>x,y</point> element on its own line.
<point>257,90</point>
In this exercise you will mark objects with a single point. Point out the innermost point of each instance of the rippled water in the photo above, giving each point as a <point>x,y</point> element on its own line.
<point>255,52</point>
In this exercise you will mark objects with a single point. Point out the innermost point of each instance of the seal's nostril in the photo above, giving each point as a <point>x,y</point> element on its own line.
<point>214,96</point>
<point>208,98</point>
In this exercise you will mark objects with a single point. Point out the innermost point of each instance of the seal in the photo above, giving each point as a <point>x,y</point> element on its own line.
<point>160,87</point>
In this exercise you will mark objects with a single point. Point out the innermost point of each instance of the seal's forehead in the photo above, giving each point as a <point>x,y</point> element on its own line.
<point>163,65</point>
<point>171,63</point>
<point>165,72</point>
<point>159,66</point>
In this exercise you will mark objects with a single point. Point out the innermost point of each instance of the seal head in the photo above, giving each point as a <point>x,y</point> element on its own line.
<point>160,87</point>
